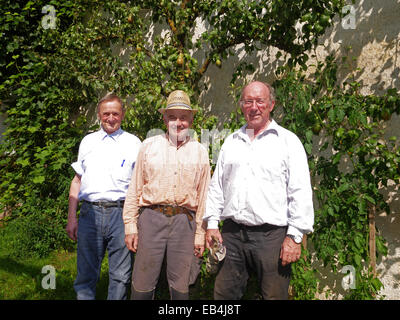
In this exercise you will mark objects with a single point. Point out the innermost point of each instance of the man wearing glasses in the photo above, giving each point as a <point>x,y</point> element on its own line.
<point>261,190</point>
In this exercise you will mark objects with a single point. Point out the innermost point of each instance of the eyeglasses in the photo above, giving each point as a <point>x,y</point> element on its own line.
<point>250,103</point>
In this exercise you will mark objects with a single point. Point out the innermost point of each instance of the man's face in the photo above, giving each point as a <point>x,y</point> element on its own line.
<point>256,105</point>
<point>110,114</point>
<point>178,123</point>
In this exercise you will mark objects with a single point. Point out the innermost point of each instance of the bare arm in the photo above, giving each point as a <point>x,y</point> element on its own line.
<point>73,200</point>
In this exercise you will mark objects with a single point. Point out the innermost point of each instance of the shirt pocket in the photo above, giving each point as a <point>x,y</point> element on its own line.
<point>189,177</point>
<point>123,172</point>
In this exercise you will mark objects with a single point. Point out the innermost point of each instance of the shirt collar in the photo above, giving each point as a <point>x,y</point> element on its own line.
<point>273,127</point>
<point>172,144</point>
<point>113,135</point>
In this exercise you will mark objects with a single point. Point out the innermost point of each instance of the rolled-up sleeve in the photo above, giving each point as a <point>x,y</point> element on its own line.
<point>202,196</point>
<point>78,164</point>
<point>130,213</point>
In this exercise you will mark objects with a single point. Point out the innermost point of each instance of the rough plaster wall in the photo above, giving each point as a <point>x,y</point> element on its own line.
<point>375,46</point>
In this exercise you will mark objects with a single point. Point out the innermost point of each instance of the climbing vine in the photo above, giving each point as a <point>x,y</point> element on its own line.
<point>351,160</point>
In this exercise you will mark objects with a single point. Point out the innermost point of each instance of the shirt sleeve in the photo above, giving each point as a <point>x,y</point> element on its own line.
<point>215,196</point>
<point>78,165</point>
<point>131,207</point>
<point>202,197</point>
<point>299,191</point>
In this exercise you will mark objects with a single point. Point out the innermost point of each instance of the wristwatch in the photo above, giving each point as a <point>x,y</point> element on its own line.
<point>296,239</point>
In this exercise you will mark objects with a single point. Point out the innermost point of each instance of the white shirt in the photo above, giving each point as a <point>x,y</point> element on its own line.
<point>266,180</point>
<point>105,164</point>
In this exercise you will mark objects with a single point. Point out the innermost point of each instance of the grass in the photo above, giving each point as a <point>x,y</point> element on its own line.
<point>22,279</point>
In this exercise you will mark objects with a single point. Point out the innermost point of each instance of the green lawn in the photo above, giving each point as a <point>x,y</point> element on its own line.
<point>21,279</point>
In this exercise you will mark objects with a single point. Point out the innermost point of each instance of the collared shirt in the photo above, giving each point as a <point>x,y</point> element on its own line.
<point>266,180</point>
<point>167,175</point>
<point>105,164</point>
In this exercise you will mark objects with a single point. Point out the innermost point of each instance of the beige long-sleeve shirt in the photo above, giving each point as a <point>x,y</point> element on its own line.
<point>167,175</point>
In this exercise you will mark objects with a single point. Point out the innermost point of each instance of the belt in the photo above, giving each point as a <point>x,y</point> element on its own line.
<point>107,204</point>
<point>261,227</point>
<point>170,211</point>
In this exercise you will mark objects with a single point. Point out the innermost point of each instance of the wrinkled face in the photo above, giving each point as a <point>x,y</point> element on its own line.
<point>256,105</point>
<point>110,114</point>
<point>178,123</point>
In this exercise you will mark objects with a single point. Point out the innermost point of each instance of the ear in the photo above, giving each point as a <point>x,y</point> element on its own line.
<point>99,111</point>
<point>271,106</point>
<point>165,119</point>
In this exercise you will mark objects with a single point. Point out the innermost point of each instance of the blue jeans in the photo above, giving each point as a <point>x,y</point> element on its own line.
<point>101,229</point>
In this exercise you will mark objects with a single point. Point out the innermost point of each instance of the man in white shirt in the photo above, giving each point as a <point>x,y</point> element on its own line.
<point>103,171</point>
<point>261,190</point>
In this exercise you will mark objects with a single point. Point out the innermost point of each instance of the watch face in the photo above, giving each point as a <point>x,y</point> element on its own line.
<point>296,239</point>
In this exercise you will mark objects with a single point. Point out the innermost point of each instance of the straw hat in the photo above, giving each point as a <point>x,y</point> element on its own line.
<point>178,99</point>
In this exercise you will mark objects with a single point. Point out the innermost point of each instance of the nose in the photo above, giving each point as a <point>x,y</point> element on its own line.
<point>253,104</point>
<point>110,118</point>
<point>253,109</point>
<point>178,122</point>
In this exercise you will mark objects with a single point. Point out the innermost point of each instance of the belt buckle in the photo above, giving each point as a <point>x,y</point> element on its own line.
<point>107,205</point>
<point>101,204</point>
<point>169,211</point>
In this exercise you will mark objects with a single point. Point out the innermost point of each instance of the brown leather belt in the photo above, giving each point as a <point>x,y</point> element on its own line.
<point>171,210</point>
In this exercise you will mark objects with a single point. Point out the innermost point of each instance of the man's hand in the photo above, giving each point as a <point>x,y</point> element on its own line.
<point>198,250</point>
<point>290,251</point>
<point>72,228</point>
<point>209,237</point>
<point>131,241</point>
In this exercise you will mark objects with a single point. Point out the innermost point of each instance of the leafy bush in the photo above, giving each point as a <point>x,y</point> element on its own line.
<point>36,234</point>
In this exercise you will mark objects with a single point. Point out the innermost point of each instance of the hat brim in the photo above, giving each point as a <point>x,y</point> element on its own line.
<point>162,110</point>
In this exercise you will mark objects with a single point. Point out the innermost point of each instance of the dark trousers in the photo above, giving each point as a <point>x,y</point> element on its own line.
<point>254,249</point>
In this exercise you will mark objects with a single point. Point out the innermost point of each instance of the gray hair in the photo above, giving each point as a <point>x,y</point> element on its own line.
<point>110,97</point>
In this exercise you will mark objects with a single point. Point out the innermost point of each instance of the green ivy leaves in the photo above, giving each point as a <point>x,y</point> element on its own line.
<point>353,162</point>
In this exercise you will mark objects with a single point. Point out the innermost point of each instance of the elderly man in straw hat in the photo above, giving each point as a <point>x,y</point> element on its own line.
<point>165,203</point>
